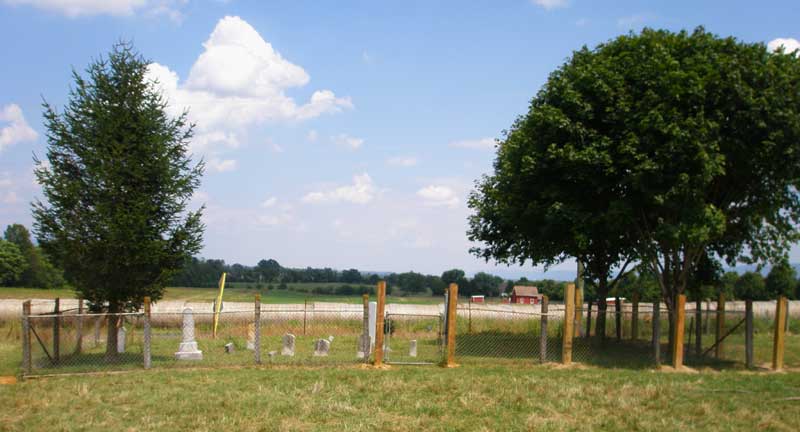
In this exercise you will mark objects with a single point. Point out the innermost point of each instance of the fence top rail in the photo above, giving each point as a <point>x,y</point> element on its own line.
<point>87,315</point>
<point>414,315</point>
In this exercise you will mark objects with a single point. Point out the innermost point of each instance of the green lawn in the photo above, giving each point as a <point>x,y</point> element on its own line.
<point>233,294</point>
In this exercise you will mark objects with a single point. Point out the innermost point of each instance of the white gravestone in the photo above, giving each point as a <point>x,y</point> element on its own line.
<point>187,350</point>
<point>412,348</point>
<point>322,347</point>
<point>251,337</point>
<point>121,332</point>
<point>288,345</point>
<point>373,312</point>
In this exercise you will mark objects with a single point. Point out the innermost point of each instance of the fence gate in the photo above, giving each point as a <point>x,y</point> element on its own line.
<point>415,339</point>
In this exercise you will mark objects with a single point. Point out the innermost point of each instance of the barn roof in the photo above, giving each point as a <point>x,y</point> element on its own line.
<point>526,291</point>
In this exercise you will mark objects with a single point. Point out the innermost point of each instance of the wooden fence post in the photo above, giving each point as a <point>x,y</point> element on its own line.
<point>720,325</point>
<point>589,319</point>
<point>379,316</point>
<point>657,332</point>
<point>147,337</point>
<point>569,320</point>
<point>79,328</point>
<point>57,331</point>
<point>780,333</point>
<point>748,333</point>
<point>635,316</point>
<point>698,329</point>
<point>452,305</point>
<point>579,309</point>
<point>365,340</point>
<point>543,331</point>
<point>618,317</point>
<point>680,323</point>
<point>26,337</point>
<point>257,330</point>
<point>305,312</point>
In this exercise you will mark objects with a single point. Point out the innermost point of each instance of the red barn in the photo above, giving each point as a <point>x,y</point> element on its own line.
<point>477,299</point>
<point>525,295</point>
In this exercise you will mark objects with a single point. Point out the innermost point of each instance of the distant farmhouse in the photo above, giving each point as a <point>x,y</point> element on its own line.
<point>525,295</point>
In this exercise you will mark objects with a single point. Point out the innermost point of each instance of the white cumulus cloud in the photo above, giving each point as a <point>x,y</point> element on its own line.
<point>269,202</point>
<point>551,4</point>
<point>347,141</point>
<point>221,165</point>
<point>362,191</point>
<point>13,127</point>
<point>437,195</point>
<point>475,144</point>
<point>239,81</point>
<point>789,45</point>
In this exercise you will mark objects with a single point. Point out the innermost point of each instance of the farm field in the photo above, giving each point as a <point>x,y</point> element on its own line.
<point>295,295</point>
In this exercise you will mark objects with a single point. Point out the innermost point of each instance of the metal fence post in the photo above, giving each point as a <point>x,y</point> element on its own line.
<point>720,325</point>
<point>748,333</point>
<point>569,320</point>
<point>618,317</point>
<point>257,330</point>
<point>452,305</point>
<point>589,318</point>
<point>698,328</point>
<point>57,331</point>
<point>635,316</point>
<point>379,336</point>
<point>657,332</point>
<point>543,331</point>
<point>579,309</point>
<point>147,336</point>
<point>26,337</point>
<point>79,328</point>
<point>680,323</point>
<point>780,333</point>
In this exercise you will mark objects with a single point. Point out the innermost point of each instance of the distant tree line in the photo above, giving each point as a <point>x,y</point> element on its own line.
<point>24,264</point>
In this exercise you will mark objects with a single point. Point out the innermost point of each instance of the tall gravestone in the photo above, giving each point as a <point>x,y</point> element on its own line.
<point>187,350</point>
<point>121,332</point>
<point>288,345</point>
<point>412,348</point>
<point>251,337</point>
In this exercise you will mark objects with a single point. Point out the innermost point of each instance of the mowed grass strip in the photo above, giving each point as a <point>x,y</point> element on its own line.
<point>408,398</point>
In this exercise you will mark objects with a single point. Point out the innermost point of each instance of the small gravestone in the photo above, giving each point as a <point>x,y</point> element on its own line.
<point>412,348</point>
<point>288,345</point>
<point>187,350</point>
<point>251,337</point>
<point>363,346</point>
<point>272,355</point>
<point>330,339</point>
<point>121,332</point>
<point>229,348</point>
<point>322,347</point>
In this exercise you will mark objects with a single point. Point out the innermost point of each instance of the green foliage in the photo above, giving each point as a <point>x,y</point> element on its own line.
<point>485,284</point>
<point>268,270</point>
<point>117,185</point>
<point>781,280</point>
<point>39,271</point>
<point>660,146</point>
<point>750,286</point>
<point>12,263</point>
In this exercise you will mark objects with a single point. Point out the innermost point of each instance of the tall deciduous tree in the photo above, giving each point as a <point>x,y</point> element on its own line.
<point>781,280</point>
<point>690,141</point>
<point>117,186</point>
<point>12,263</point>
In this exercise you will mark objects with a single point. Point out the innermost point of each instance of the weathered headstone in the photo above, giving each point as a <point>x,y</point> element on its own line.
<point>288,345</point>
<point>321,348</point>
<point>229,348</point>
<point>251,337</point>
<point>187,350</point>
<point>272,355</point>
<point>412,348</point>
<point>364,346</point>
<point>330,339</point>
<point>121,332</point>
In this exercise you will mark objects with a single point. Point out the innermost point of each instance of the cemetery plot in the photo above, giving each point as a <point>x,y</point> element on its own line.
<point>413,339</point>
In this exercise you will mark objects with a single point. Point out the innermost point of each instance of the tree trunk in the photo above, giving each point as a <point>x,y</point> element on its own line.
<point>111,337</point>
<point>602,307</point>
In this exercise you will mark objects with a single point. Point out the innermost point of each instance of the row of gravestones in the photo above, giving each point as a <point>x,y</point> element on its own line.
<point>187,350</point>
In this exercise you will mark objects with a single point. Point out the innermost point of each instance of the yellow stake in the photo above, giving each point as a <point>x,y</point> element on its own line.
<point>218,305</point>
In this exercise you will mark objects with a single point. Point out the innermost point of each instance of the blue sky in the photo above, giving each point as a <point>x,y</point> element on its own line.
<point>342,134</point>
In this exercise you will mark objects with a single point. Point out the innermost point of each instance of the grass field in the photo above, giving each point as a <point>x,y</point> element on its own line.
<point>233,294</point>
